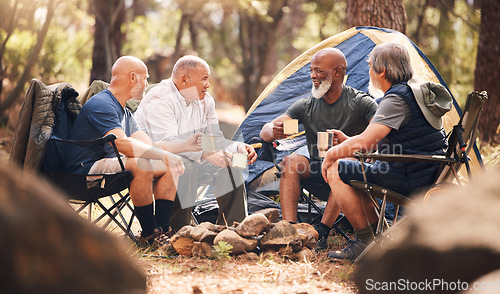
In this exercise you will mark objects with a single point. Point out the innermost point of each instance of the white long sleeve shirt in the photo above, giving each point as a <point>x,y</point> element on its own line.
<point>164,114</point>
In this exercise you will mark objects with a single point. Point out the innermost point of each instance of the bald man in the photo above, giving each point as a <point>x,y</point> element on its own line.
<point>104,114</point>
<point>332,105</point>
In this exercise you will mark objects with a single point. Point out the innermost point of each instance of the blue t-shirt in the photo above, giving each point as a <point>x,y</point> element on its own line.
<point>98,115</point>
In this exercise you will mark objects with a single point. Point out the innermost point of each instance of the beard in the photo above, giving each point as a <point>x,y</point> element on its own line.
<point>374,90</point>
<point>137,92</point>
<point>324,86</point>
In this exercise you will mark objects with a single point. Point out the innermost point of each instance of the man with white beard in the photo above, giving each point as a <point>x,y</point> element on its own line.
<point>332,105</point>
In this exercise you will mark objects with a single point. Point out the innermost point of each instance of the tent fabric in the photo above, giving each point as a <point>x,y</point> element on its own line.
<point>294,82</point>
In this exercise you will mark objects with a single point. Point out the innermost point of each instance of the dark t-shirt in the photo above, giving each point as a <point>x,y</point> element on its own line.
<point>351,114</point>
<point>99,115</point>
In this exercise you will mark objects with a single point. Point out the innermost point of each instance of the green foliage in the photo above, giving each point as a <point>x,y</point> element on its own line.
<point>222,250</point>
<point>450,42</point>
<point>17,51</point>
<point>66,56</point>
<point>147,35</point>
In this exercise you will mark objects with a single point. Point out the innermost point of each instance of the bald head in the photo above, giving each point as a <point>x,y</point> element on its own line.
<point>128,78</point>
<point>331,58</point>
<point>126,64</point>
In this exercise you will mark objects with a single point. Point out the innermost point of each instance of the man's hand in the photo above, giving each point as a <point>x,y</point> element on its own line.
<point>219,158</point>
<point>338,136</point>
<point>278,131</point>
<point>249,151</point>
<point>327,162</point>
<point>193,143</point>
<point>174,162</point>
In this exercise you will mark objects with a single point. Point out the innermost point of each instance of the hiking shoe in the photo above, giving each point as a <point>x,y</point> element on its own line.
<point>157,240</point>
<point>322,238</point>
<point>322,242</point>
<point>350,252</point>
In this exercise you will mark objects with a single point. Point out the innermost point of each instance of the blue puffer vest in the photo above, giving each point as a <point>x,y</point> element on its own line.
<point>415,137</point>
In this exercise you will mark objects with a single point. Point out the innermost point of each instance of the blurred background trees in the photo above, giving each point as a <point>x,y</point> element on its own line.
<point>246,42</point>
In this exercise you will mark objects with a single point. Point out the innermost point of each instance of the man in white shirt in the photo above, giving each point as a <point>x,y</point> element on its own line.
<point>174,110</point>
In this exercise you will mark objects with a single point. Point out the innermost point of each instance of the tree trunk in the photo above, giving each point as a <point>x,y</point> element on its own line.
<point>257,41</point>
<point>178,46</point>
<point>447,41</point>
<point>9,29</point>
<point>109,16</point>
<point>389,14</point>
<point>31,61</point>
<point>487,75</point>
<point>140,7</point>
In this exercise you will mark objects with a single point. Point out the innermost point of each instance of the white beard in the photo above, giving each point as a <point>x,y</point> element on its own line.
<point>323,87</point>
<point>374,91</point>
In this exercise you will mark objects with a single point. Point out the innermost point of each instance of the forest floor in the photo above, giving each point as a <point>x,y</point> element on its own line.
<point>268,274</point>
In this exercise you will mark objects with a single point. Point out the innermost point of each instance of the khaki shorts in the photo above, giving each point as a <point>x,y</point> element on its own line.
<point>107,166</point>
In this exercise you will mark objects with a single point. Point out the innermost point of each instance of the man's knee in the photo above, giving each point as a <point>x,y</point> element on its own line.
<point>140,168</point>
<point>295,164</point>
<point>333,173</point>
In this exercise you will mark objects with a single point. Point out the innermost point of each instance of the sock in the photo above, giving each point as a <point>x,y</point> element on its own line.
<point>365,235</point>
<point>146,219</point>
<point>163,210</point>
<point>322,229</point>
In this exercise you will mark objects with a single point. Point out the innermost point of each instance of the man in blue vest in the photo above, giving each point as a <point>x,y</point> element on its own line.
<point>402,123</point>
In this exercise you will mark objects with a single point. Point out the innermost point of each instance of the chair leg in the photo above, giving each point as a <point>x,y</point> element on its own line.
<point>381,217</point>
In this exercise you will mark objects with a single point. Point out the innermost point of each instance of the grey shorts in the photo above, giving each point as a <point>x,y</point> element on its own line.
<point>107,166</point>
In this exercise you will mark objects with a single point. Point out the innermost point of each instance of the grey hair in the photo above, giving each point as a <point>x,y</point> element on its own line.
<point>186,64</point>
<point>395,59</point>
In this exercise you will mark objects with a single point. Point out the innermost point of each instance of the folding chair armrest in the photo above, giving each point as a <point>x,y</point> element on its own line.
<point>266,146</point>
<point>404,157</point>
<point>99,141</point>
<point>109,138</point>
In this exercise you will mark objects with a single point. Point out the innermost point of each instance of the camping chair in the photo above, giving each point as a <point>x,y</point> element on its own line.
<point>460,141</point>
<point>59,106</point>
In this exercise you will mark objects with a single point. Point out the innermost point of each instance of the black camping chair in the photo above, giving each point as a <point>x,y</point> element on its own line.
<point>60,106</point>
<point>308,191</point>
<point>460,141</point>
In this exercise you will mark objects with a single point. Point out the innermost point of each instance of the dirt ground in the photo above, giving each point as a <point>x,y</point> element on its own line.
<point>269,274</point>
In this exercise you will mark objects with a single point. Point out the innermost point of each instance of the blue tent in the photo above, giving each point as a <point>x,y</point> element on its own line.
<point>294,83</point>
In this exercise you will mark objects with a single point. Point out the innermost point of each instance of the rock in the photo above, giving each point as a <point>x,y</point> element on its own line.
<point>487,284</point>
<point>183,245</point>
<point>272,214</point>
<point>454,237</point>
<point>285,251</point>
<point>253,225</point>
<point>185,231</point>
<point>281,235</point>
<point>308,234</point>
<point>248,256</point>
<point>303,255</point>
<point>202,250</point>
<point>198,232</point>
<point>240,244</point>
<point>208,237</point>
<point>212,227</point>
<point>46,247</point>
